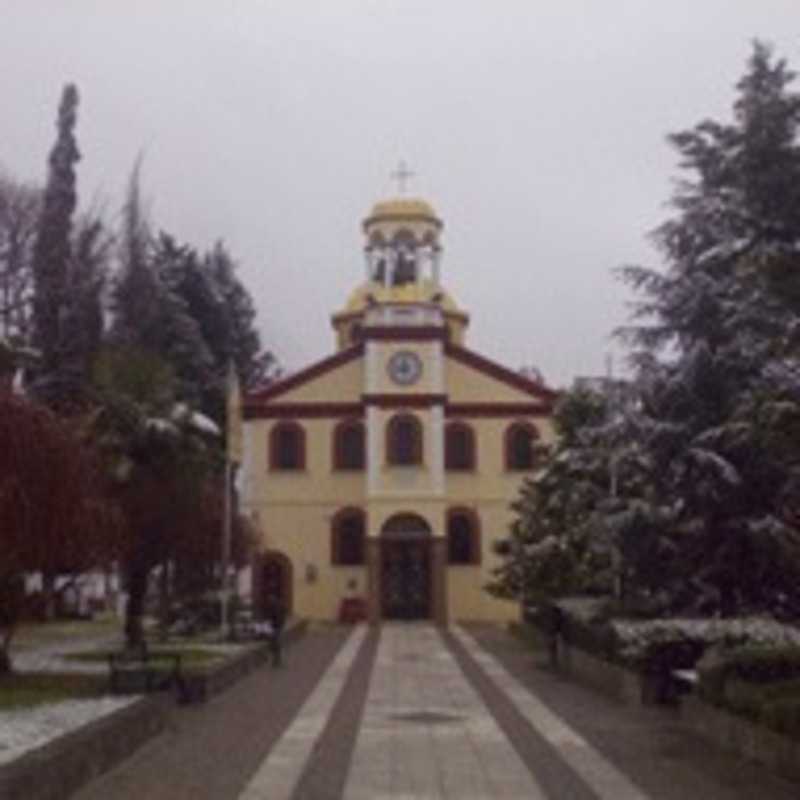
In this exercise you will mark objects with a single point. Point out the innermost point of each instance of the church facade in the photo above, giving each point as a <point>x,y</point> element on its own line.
<point>383,474</point>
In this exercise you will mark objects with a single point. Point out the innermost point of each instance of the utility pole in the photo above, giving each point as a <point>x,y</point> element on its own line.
<point>613,472</point>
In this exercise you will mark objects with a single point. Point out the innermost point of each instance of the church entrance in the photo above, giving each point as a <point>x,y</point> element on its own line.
<point>405,568</point>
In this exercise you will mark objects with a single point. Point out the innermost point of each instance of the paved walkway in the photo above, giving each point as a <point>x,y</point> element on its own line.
<point>409,711</point>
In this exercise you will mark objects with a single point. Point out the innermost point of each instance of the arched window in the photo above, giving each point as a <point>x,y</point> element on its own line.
<point>404,440</point>
<point>520,449</point>
<point>347,538</point>
<point>459,446</point>
<point>287,448</point>
<point>463,537</point>
<point>348,445</point>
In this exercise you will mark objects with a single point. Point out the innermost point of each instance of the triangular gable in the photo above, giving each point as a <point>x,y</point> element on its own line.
<point>482,378</point>
<point>288,385</point>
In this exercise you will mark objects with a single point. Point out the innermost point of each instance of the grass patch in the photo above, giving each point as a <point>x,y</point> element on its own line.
<point>28,689</point>
<point>31,635</point>
<point>159,658</point>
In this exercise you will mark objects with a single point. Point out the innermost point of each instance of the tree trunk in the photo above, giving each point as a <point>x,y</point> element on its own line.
<point>137,589</point>
<point>163,600</point>
<point>48,596</point>
<point>5,646</point>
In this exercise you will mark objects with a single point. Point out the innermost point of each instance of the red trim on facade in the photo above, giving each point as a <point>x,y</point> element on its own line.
<point>404,400</point>
<point>407,333</point>
<point>323,410</point>
<point>305,375</point>
<point>452,456</point>
<point>300,455</point>
<point>303,410</point>
<point>349,512</point>
<point>497,409</point>
<point>394,445</point>
<point>340,455</point>
<point>475,546</point>
<point>260,563</point>
<point>511,430</point>
<point>499,372</point>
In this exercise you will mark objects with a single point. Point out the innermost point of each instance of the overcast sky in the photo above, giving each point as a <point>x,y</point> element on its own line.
<point>536,129</point>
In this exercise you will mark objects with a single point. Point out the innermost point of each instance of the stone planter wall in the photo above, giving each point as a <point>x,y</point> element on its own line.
<point>778,753</point>
<point>615,681</point>
<point>60,767</point>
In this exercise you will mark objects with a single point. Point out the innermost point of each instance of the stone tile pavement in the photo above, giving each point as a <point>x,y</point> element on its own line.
<point>409,711</point>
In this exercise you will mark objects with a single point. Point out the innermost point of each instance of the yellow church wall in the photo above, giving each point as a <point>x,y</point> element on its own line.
<point>342,384</point>
<point>490,479</point>
<point>432,510</point>
<point>318,481</point>
<point>466,384</point>
<point>302,533</point>
<point>467,599</point>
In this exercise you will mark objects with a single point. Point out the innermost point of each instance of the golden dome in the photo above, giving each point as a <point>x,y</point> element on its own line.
<point>402,208</point>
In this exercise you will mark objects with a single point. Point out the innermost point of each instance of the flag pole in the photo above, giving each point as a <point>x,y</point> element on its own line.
<point>226,549</point>
<point>233,456</point>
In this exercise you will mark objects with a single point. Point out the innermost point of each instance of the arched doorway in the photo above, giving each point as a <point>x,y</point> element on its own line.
<point>405,568</point>
<point>274,581</point>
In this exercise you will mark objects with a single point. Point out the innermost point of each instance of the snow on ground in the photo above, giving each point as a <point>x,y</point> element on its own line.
<point>25,729</point>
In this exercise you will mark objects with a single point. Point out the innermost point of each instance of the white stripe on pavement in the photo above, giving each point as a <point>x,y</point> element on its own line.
<point>280,771</point>
<point>597,772</point>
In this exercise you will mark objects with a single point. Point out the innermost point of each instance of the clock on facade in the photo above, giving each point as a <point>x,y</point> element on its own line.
<point>405,367</point>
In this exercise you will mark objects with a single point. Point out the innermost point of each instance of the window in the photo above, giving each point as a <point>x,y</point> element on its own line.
<point>347,538</point>
<point>348,445</point>
<point>404,440</point>
<point>520,449</point>
<point>287,446</point>
<point>463,537</point>
<point>459,446</point>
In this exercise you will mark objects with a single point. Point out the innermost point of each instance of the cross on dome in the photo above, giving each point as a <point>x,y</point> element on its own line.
<point>402,175</point>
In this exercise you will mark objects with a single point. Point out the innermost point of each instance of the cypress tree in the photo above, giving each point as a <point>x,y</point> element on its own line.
<point>52,252</point>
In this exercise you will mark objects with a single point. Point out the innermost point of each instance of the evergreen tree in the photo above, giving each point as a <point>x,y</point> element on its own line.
<point>553,548</point>
<point>20,207</point>
<point>149,313</point>
<point>83,316</point>
<point>717,354</point>
<point>53,250</point>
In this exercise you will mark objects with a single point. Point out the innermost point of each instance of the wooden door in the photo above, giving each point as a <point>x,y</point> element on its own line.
<point>405,579</point>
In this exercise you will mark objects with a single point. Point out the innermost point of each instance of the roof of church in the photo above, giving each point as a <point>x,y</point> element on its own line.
<point>402,208</point>
<point>425,291</point>
<point>482,364</point>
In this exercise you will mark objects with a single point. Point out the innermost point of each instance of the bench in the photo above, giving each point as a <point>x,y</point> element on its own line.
<point>141,671</point>
<point>685,680</point>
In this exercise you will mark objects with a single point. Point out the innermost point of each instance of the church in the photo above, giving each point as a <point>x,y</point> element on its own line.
<point>382,476</point>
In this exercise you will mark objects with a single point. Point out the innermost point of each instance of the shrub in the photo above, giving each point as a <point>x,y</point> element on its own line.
<point>753,665</point>
<point>783,715</point>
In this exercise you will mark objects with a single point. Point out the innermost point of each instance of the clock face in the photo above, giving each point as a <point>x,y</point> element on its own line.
<point>405,367</point>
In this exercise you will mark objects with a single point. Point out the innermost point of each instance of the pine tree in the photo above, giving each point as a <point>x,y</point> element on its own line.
<point>243,343</point>
<point>149,313</point>
<point>53,249</point>
<point>717,353</point>
<point>553,548</point>
<point>83,317</point>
